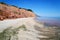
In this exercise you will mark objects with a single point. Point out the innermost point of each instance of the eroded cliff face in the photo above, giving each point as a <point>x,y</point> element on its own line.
<point>11,12</point>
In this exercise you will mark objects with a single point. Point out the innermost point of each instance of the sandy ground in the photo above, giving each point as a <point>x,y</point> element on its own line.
<point>32,34</point>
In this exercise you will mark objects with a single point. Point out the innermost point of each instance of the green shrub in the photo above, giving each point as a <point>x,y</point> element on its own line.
<point>29,10</point>
<point>3,3</point>
<point>8,33</point>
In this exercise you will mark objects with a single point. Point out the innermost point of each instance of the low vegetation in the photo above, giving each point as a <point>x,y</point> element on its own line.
<point>10,33</point>
<point>29,10</point>
<point>3,3</point>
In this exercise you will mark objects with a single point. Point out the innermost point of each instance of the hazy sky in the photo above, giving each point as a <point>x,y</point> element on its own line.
<point>50,8</point>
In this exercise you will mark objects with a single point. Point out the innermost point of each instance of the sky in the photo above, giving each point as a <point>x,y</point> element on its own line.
<point>48,8</point>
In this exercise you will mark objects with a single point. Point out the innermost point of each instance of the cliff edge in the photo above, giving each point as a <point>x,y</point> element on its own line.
<point>11,12</point>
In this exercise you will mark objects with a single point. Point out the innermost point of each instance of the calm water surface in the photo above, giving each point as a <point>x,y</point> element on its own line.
<point>51,27</point>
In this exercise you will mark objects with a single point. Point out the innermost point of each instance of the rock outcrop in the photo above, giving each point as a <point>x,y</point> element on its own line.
<point>11,12</point>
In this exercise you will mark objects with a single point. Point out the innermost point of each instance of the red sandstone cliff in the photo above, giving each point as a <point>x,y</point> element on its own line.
<point>9,12</point>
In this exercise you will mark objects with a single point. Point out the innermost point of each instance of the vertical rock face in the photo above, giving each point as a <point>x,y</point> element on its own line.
<point>8,12</point>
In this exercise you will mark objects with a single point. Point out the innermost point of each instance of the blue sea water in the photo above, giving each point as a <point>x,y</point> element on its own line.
<point>50,20</point>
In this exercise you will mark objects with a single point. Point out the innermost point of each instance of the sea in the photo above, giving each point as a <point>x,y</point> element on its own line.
<point>49,20</point>
<point>51,27</point>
